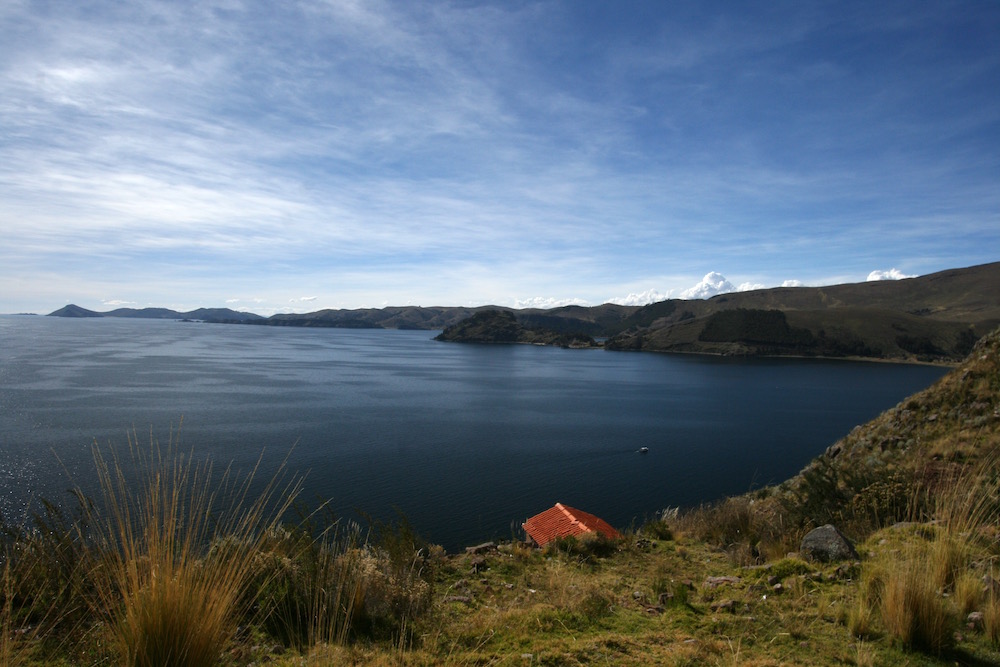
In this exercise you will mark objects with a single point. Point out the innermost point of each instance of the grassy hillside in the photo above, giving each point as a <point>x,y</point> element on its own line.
<point>931,318</point>
<point>922,446</point>
<point>147,578</point>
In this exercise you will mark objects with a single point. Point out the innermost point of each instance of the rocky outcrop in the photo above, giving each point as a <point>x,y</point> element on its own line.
<point>826,544</point>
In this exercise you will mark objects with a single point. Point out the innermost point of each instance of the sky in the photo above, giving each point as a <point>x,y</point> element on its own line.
<point>299,155</point>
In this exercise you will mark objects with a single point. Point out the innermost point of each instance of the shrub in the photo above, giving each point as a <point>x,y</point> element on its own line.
<point>594,604</point>
<point>307,589</point>
<point>585,548</point>
<point>658,529</point>
<point>968,594</point>
<point>747,530</point>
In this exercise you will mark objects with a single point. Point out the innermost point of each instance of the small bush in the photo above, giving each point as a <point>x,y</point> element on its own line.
<point>748,530</point>
<point>594,604</point>
<point>658,530</point>
<point>787,567</point>
<point>920,589</point>
<point>308,589</point>
<point>585,548</point>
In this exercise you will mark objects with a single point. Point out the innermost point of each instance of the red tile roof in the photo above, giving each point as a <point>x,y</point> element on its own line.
<point>564,521</point>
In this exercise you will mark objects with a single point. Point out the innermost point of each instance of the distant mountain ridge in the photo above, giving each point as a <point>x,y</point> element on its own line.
<point>597,320</point>
<point>936,317</point>
<point>205,314</point>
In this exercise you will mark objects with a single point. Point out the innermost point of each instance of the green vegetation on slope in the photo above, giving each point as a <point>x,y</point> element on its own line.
<point>763,327</point>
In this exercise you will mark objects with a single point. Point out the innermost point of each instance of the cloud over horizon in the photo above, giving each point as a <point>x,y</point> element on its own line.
<point>891,274</point>
<point>641,298</point>
<point>715,283</point>
<point>548,303</point>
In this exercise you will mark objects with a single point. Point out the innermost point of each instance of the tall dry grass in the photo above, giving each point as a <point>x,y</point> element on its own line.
<point>921,590</point>
<point>911,607</point>
<point>172,552</point>
<point>7,648</point>
<point>991,618</point>
<point>751,531</point>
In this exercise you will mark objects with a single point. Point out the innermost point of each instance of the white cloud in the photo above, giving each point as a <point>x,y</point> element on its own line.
<point>118,302</point>
<point>546,302</point>
<point>641,298</point>
<point>891,274</point>
<point>712,284</point>
<point>792,283</point>
<point>303,298</point>
<point>232,300</point>
<point>749,287</point>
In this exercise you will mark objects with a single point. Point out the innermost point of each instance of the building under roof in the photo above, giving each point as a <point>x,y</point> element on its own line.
<point>564,521</point>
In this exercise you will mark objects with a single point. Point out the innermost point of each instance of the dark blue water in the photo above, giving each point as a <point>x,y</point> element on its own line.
<point>465,440</point>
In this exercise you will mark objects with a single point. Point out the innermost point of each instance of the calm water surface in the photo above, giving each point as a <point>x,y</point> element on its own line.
<point>464,439</point>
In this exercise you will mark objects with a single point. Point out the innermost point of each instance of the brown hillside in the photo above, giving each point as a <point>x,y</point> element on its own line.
<point>931,318</point>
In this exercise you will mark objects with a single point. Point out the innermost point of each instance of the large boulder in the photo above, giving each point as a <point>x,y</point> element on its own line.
<point>827,544</point>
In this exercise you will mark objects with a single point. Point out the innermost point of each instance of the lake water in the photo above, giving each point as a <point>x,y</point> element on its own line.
<point>465,440</point>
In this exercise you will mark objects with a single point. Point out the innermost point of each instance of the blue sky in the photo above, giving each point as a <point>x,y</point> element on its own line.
<point>293,156</point>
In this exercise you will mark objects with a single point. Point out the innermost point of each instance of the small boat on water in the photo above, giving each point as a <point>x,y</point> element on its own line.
<point>644,450</point>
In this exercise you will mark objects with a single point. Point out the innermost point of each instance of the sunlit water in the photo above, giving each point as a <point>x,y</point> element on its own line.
<point>465,440</point>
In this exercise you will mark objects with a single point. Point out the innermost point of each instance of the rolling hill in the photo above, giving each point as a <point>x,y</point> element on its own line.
<point>936,317</point>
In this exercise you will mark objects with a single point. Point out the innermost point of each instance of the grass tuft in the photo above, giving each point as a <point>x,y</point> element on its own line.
<point>166,596</point>
<point>991,619</point>
<point>912,611</point>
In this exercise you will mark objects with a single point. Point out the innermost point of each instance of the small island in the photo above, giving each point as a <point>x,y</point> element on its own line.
<point>501,326</point>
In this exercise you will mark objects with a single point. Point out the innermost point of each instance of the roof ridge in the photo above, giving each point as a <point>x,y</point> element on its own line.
<point>569,515</point>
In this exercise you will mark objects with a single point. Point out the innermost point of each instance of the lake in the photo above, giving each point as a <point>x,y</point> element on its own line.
<point>466,440</point>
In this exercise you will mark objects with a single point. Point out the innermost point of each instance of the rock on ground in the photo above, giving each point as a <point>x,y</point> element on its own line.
<point>827,544</point>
